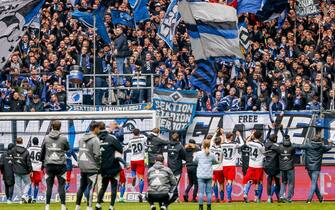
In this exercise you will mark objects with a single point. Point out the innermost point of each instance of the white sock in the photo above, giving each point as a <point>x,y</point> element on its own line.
<point>98,205</point>
<point>47,207</point>
<point>63,207</point>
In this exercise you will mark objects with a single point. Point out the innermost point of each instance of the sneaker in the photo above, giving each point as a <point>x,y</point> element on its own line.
<point>245,198</point>
<point>140,198</point>
<point>98,208</point>
<point>24,200</point>
<point>29,200</point>
<point>289,201</point>
<point>308,201</point>
<point>321,199</point>
<point>153,207</point>
<point>270,200</point>
<point>122,200</point>
<point>33,201</point>
<point>185,198</point>
<point>163,208</point>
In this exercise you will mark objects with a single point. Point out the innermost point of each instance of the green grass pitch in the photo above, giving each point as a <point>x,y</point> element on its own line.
<point>186,206</point>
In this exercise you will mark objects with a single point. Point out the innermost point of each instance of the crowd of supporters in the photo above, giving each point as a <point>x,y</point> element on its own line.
<point>282,70</point>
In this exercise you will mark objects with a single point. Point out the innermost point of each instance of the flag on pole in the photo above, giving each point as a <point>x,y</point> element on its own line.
<point>204,76</point>
<point>122,18</point>
<point>14,16</point>
<point>244,37</point>
<point>248,6</point>
<point>140,10</point>
<point>307,7</point>
<point>88,20</point>
<point>167,29</point>
<point>272,9</point>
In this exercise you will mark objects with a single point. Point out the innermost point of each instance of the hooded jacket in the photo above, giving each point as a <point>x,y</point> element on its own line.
<point>89,157</point>
<point>6,166</point>
<point>286,155</point>
<point>190,149</point>
<point>155,146</point>
<point>313,154</point>
<point>22,162</point>
<point>54,149</point>
<point>110,166</point>
<point>160,179</point>
<point>271,161</point>
<point>176,154</point>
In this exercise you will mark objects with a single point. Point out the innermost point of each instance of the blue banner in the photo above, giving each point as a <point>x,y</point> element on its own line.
<point>122,18</point>
<point>140,10</point>
<point>167,29</point>
<point>176,109</point>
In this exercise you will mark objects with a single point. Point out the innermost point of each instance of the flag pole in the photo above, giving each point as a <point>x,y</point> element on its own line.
<point>94,56</point>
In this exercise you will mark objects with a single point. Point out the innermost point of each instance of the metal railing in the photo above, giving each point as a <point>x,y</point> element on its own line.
<point>111,88</point>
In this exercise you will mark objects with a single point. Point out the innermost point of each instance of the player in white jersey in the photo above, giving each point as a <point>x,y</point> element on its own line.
<point>255,171</point>
<point>137,146</point>
<point>36,177</point>
<point>230,157</point>
<point>216,150</point>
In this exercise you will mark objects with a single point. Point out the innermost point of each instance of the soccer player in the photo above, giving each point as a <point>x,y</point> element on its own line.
<point>36,177</point>
<point>89,160</point>
<point>255,171</point>
<point>218,178</point>
<point>110,167</point>
<point>230,156</point>
<point>137,145</point>
<point>53,159</point>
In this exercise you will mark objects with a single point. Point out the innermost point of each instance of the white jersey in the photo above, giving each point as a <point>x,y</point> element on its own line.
<point>217,152</point>
<point>137,145</point>
<point>256,157</point>
<point>35,157</point>
<point>230,153</point>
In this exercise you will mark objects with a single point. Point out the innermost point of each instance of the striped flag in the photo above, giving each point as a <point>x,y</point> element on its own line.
<point>204,76</point>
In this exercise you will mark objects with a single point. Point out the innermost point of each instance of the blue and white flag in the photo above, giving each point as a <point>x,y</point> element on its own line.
<point>88,20</point>
<point>140,10</point>
<point>272,9</point>
<point>176,109</point>
<point>244,37</point>
<point>307,7</point>
<point>281,19</point>
<point>122,18</point>
<point>212,29</point>
<point>204,76</point>
<point>14,16</point>
<point>167,29</point>
<point>248,6</point>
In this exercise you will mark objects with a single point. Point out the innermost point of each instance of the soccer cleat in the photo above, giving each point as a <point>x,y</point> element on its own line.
<point>9,202</point>
<point>282,200</point>
<point>163,208</point>
<point>245,198</point>
<point>33,201</point>
<point>321,199</point>
<point>122,200</point>
<point>289,201</point>
<point>24,200</point>
<point>153,207</point>
<point>185,198</point>
<point>77,207</point>
<point>270,200</point>
<point>308,201</point>
<point>140,198</point>
<point>47,207</point>
<point>98,208</point>
<point>30,200</point>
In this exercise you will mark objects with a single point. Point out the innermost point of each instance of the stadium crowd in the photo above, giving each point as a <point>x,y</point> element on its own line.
<point>211,167</point>
<point>282,70</point>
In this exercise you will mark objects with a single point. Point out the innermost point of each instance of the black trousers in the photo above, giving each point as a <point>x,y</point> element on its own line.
<point>276,178</point>
<point>87,180</point>
<point>162,199</point>
<point>192,181</point>
<point>105,183</point>
<point>59,172</point>
<point>9,190</point>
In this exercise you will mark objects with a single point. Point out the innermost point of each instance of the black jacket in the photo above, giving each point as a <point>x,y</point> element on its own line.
<point>22,162</point>
<point>271,161</point>
<point>176,154</point>
<point>313,154</point>
<point>286,155</point>
<point>110,166</point>
<point>6,167</point>
<point>155,146</point>
<point>121,45</point>
<point>190,149</point>
<point>245,153</point>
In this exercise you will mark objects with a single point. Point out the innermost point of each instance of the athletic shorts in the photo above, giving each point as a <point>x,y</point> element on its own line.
<point>218,176</point>
<point>122,177</point>
<point>138,166</point>
<point>68,176</point>
<point>253,174</point>
<point>229,172</point>
<point>36,178</point>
